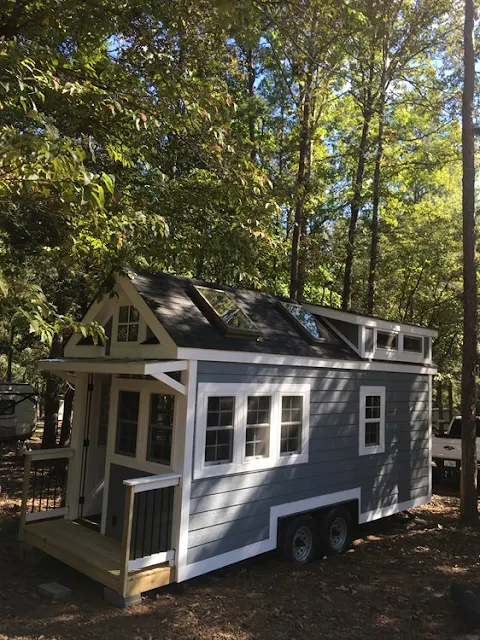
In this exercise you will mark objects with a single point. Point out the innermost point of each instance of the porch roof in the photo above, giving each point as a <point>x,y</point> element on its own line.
<point>158,369</point>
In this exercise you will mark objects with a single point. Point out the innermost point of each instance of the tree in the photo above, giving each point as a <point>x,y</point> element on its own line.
<point>469,500</point>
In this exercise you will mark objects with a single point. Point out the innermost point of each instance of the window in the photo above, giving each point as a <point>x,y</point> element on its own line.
<point>387,340</point>
<point>372,420</point>
<point>221,308</point>
<point>412,343</point>
<point>160,428</point>
<point>257,439</point>
<point>128,324</point>
<point>219,436</point>
<point>127,423</point>
<point>290,437</point>
<point>308,323</point>
<point>250,426</point>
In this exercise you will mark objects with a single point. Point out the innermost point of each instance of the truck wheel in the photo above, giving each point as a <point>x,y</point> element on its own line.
<point>299,542</point>
<point>337,530</point>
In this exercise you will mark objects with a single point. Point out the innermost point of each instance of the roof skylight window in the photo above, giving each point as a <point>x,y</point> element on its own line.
<point>220,307</point>
<point>308,323</point>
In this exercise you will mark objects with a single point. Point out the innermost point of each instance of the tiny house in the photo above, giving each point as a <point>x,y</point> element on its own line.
<point>216,424</point>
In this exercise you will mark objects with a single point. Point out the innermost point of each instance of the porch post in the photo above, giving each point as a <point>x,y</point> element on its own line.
<point>76,443</point>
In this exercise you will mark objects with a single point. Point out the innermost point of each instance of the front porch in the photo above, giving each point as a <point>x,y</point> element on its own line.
<point>142,560</point>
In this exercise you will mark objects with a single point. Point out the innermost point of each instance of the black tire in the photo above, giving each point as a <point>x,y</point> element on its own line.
<point>302,529</point>
<point>337,531</point>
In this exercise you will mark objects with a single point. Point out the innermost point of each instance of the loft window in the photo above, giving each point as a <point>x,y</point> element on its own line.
<point>128,324</point>
<point>412,343</point>
<point>372,420</point>
<point>127,423</point>
<point>308,323</point>
<point>160,428</point>
<point>222,309</point>
<point>387,340</point>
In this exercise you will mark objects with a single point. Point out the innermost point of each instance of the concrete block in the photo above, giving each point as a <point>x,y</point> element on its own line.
<point>54,591</point>
<point>112,597</point>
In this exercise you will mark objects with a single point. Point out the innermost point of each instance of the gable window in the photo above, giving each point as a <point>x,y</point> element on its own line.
<point>387,340</point>
<point>241,427</point>
<point>290,437</point>
<point>219,436</point>
<point>160,428</point>
<point>127,423</point>
<point>258,427</point>
<point>128,324</point>
<point>372,420</point>
<point>412,343</point>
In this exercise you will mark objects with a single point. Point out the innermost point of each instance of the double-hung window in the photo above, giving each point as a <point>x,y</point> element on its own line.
<point>127,423</point>
<point>160,428</point>
<point>242,427</point>
<point>372,420</point>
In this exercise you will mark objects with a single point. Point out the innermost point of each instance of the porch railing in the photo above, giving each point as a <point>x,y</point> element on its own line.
<point>44,485</point>
<point>147,526</point>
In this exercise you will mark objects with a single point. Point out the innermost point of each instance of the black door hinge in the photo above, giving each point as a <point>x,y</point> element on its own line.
<point>81,500</point>
<point>86,443</point>
<point>90,386</point>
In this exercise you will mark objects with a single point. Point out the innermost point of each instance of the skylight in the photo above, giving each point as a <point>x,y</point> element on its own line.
<point>226,310</point>
<point>308,322</point>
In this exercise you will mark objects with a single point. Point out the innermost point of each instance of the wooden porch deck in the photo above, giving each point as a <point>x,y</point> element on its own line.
<point>93,554</point>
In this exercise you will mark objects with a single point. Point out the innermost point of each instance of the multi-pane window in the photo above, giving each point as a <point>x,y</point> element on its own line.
<point>257,439</point>
<point>291,426</point>
<point>128,324</point>
<point>219,432</point>
<point>160,428</point>
<point>127,423</point>
<point>372,420</point>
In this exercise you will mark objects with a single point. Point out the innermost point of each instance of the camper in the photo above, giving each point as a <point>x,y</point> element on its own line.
<point>216,424</point>
<point>18,403</point>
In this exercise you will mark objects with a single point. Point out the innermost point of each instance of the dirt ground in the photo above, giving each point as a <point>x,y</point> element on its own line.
<point>393,583</point>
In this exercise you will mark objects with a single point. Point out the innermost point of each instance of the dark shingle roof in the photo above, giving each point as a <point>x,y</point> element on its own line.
<point>168,297</point>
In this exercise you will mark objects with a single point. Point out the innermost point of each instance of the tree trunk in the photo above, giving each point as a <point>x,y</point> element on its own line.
<point>375,205</point>
<point>11,337</point>
<point>51,401</point>
<point>301,190</point>
<point>354,211</point>
<point>450,400</point>
<point>251,95</point>
<point>468,493</point>
<point>441,422</point>
<point>67,416</point>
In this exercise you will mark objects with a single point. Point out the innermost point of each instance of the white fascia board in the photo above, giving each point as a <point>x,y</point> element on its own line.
<point>151,368</point>
<point>366,321</point>
<point>246,357</point>
<point>125,283</point>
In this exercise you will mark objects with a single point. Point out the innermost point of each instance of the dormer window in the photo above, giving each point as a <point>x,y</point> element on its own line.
<point>387,340</point>
<point>222,310</point>
<point>128,324</point>
<point>413,344</point>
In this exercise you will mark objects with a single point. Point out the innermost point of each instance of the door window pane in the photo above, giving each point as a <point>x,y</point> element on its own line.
<point>127,423</point>
<point>160,428</point>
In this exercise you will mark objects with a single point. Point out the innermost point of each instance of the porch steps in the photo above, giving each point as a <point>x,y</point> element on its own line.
<point>93,554</point>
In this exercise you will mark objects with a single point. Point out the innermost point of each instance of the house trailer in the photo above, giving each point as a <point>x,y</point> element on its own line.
<point>216,424</point>
<point>18,412</point>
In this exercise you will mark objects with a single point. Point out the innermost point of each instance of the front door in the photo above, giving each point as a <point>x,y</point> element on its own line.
<point>95,449</point>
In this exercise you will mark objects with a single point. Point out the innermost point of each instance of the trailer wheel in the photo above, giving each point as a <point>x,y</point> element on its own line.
<point>337,530</point>
<point>299,542</point>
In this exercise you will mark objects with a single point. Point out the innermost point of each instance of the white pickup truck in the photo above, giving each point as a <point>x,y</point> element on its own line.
<point>447,449</point>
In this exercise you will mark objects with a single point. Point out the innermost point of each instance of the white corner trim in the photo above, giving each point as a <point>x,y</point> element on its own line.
<point>363,449</point>
<point>247,357</point>
<point>270,543</point>
<point>239,463</point>
<point>180,541</point>
<point>186,572</point>
<point>430,430</point>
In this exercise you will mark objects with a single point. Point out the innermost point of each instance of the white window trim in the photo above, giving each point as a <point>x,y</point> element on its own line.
<point>239,463</point>
<point>364,450</point>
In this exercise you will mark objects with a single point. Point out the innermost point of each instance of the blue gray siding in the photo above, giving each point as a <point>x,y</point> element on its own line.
<point>230,512</point>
